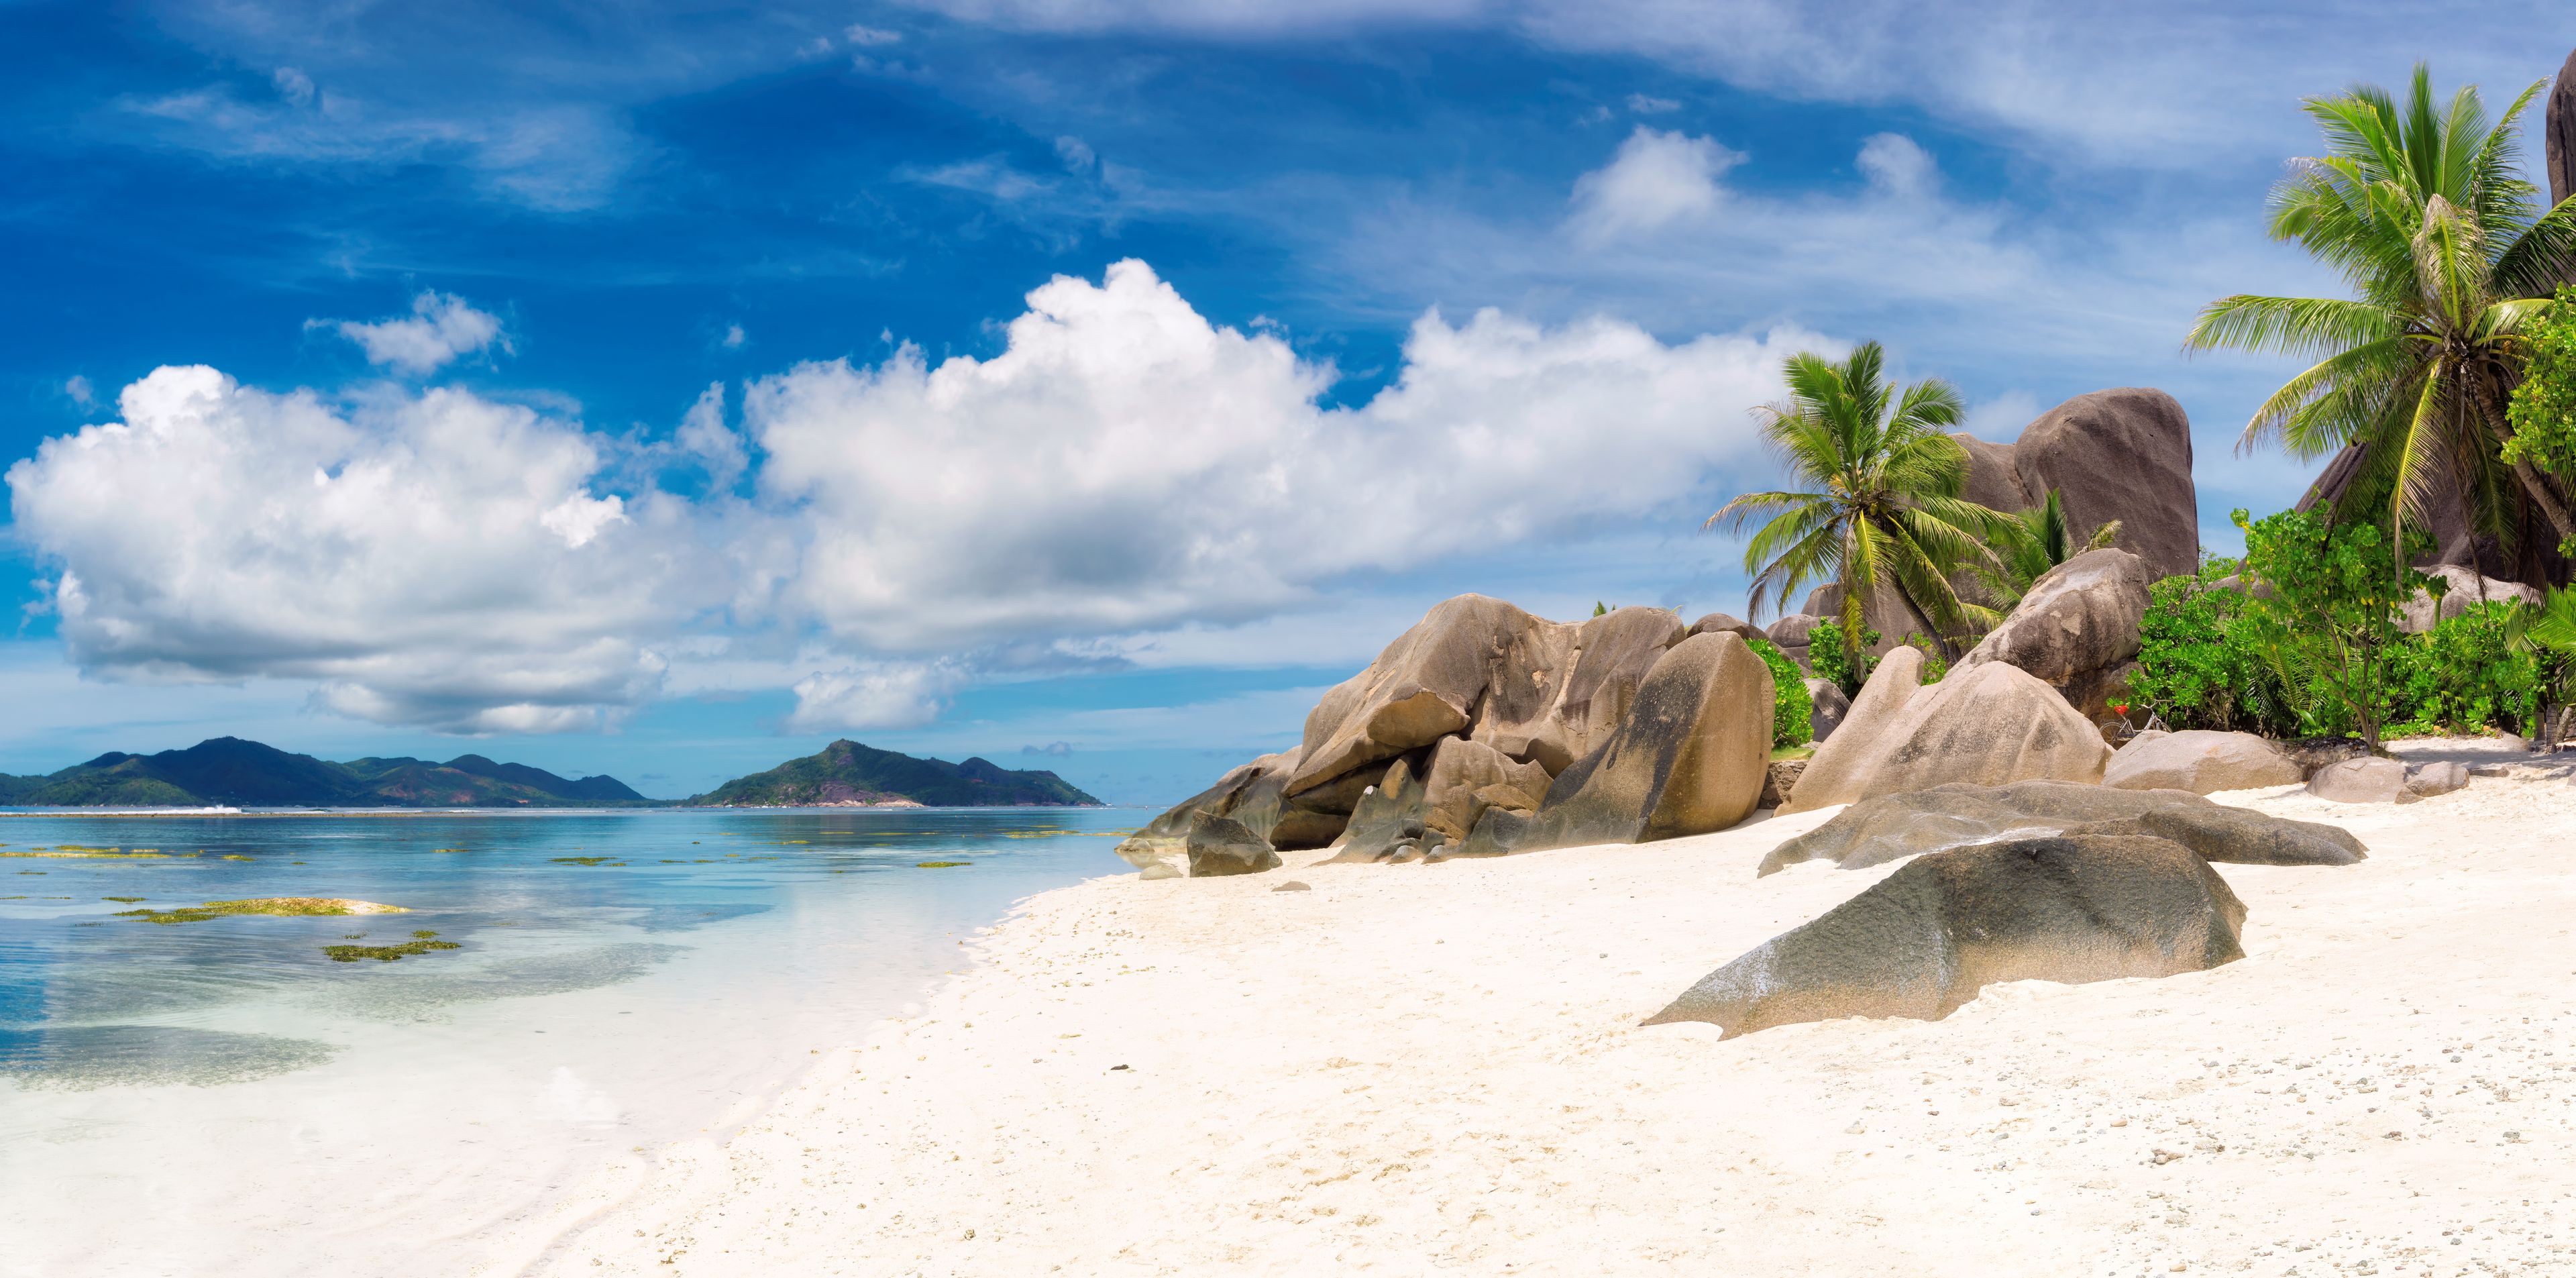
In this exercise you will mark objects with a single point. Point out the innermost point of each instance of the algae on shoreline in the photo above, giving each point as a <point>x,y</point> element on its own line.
<point>285,906</point>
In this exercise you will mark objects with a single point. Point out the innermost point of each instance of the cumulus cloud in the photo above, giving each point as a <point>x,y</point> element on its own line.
<point>880,694</point>
<point>704,435</point>
<point>441,327</point>
<point>1656,179</point>
<point>1124,464</point>
<point>433,559</point>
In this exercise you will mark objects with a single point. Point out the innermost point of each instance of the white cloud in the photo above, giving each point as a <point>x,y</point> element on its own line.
<point>1124,465</point>
<point>437,560</point>
<point>867,36</point>
<point>704,434</point>
<point>1893,163</point>
<point>1643,105</point>
<point>77,389</point>
<point>1076,154</point>
<point>293,85</point>
<point>440,328</point>
<point>1656,179</point>
<point>991,176</point>
<point>733,338</point>
<point>896,694</point>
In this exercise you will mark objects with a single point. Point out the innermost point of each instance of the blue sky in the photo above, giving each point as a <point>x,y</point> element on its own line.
<point>578,383</point>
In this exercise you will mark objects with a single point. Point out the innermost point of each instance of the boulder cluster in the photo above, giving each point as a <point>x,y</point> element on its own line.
<point>1484,730</point>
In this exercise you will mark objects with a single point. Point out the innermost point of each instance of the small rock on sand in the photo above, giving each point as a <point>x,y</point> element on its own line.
<point>1292,885</point>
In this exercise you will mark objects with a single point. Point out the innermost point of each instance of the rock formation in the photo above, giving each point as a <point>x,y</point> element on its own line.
<point>2463,588</point>
<point>2201,762</point>
<point>1482,709</point>
<point>1827,706</point>
<point>1835,767</point>
<point>1895,826</point>
<point>1924,940</point>
<point>2363,780</point>
<point>1988,726</point>
<point>2076,629</point>
<point>1218,846</point>
<point>2559,133</point>
<point>1689,757</point>
<point>2121,454</point>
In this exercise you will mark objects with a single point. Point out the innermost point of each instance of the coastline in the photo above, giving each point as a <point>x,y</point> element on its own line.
<point>1438,1067</point>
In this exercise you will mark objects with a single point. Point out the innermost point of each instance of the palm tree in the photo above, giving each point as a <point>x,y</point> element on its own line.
<point>1883,503</point>
<point>2423,210</point>
<point>2026,544</point>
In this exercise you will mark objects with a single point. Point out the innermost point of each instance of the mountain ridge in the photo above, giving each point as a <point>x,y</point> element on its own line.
<point>848,774</point>
<point>234,772</point>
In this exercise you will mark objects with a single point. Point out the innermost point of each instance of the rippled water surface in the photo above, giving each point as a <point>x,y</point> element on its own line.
<point>621,980</point>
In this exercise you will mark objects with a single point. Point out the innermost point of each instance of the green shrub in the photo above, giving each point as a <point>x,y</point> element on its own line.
<point>2328,623</point>
<point>2196,664</point>
<point>1825,653</point>
<point>1792,711</point>
<point>2463,675</point>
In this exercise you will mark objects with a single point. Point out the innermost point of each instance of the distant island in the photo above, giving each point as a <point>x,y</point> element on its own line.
<point>232,772</point>
<point>847,774</point>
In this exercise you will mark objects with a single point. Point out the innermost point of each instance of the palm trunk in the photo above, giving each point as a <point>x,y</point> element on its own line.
<point>2539,487</point>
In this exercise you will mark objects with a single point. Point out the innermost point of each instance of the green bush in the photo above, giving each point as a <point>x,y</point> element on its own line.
<point>2196,664</point>
<point>2463,675</point>
<point>1792,711</point>
<point>1934,666</point>
<point>1825,653</point>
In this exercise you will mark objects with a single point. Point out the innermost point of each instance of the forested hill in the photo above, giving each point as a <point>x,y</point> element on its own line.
<point>847,773</point>
<point>233,772</point>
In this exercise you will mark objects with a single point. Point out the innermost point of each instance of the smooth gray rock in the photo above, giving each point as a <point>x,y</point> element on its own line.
<point>2559,134</point>
<point>1779,780</point>
<point>1219,846</point>
<point>1688,758</point>
<point>1792,631</point>
<point>1827,707</point>
<point>1720,623</point>
<point>2424,780</point>
<point>1292,885</point>
<point>1990,725</point>
<point>1387,817</point>
<point>1892,827</point>
<point>2463,588</point>
<point>2078,621</point>
<point>2121,454</point>
<point>2201,762</point>
<point>1923,941</point>
<point>2363,780</point>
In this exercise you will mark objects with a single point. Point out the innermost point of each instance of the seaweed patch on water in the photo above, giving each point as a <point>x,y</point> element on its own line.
<point>236,856</point>
<point>585,860</point>
<point>421,943</point>
<point>289,906</point>
<point>83,1057</point>
<point>69,852</point>
<point>124,900</point>
<point>428,994</point>
<point>938,865</point>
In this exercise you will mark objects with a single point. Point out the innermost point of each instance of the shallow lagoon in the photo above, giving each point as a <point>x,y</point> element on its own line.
<point>219,1096</point>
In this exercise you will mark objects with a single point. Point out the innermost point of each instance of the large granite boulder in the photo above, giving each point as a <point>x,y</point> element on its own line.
<point>1389,821</point>
<point>1249,795</point>
<point>1557,690</point>
<point>2559,134</point>
<point>2366,779</point>
<point>1836,766</point>
<point>1462,771</point>
<point>2463,588</point>
<point>1219,846</point>
<point>1989,725</point>
<point>2201,762</point>
<point>2076,628</point>
<point>1827,707</point>
<point>1994,475</point>
<point>1422,687</point>
<point>2121,454</point>
<point>1792,632</point>
<point>1895,826</point>
<point>1726,623</point>
<point>1689,757</point>
<point>1923,941</point>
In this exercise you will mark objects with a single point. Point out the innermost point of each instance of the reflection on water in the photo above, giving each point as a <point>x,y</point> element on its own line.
<point>85,1056</point>
<point>622,980</point>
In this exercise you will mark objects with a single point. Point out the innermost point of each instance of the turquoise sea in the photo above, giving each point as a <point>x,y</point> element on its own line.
<point>622,980</point>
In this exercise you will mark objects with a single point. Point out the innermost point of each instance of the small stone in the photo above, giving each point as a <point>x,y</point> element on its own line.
<point>1855,1130</point>
<point>1292,885</point>
<point>1115,1068</point>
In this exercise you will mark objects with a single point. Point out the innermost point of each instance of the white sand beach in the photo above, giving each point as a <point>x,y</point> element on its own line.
<point>1437,1068</point>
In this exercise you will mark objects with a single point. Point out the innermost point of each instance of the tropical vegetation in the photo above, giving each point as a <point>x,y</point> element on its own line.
<point>1879,502</point>
<point>2422,208</point>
